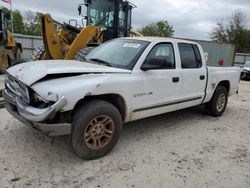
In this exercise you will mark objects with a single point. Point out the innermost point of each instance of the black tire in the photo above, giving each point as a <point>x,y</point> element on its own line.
<point>19,57</point>
<point>84,129</point>
<point>8,60</point>
<point>38,54</point>
<point>1,104</point>
<point>80,56</point>
<point>217,104</point>
<point>18,54</point>
<point>1,99</point>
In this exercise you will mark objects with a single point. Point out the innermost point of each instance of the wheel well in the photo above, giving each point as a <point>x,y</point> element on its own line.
<point>114,99</point>
<point>225,84</point>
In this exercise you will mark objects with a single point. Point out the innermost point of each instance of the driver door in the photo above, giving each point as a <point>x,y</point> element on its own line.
<point>157,90</point>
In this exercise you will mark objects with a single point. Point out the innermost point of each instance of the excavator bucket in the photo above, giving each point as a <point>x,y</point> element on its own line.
<point>87,35</point>
<point>51,39</point>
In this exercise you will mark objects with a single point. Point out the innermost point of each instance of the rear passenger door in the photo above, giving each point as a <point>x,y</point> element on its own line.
<point>193,75</point>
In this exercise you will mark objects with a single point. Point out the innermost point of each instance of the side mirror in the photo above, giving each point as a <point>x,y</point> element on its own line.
<point>154,63</point>
<point>80,9</point>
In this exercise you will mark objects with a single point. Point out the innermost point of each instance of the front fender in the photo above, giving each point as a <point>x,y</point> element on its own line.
<point>72,88</point>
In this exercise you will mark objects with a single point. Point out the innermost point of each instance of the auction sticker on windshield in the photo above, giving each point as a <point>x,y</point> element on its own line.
<point>131,45</point>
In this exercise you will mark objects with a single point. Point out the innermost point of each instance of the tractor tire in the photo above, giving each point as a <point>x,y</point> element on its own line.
<point>80,56</point>
<point>8,62</point>
<point>96,128</point>
<point>218,103</point>
<point>18,57</point>
<point>1,104</point>
<point>1,99</point>
<point>18,54</point>
<point>38,54</point>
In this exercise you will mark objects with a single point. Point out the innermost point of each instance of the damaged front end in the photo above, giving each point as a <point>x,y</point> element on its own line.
<point>31,109</point>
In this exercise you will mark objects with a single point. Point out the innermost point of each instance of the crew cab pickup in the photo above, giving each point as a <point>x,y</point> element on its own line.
<point>120,81</point>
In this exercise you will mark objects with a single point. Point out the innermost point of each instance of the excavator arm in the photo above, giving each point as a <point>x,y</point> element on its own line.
<point>64,44</point>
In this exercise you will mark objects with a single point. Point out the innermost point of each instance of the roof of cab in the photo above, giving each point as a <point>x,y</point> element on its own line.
<point>159,39</point>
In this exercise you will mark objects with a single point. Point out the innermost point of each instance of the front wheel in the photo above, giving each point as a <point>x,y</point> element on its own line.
<point>218,103</point>
<point>96,128</point>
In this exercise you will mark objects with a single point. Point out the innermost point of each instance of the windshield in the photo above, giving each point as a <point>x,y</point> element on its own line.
<point>119,53</point>
<point>247,64</point>
<point>101,13</point>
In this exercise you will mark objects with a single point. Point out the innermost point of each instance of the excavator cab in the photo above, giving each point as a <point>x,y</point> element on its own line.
<point>114,16</point>
<point>4,17</point>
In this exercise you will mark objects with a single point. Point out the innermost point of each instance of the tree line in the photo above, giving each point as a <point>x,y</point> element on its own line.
<point>233,31</point>
<point>29,24</point>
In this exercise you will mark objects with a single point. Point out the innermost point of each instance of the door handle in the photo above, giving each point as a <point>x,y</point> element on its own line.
<point>176,79</point>
<point>202,77</point>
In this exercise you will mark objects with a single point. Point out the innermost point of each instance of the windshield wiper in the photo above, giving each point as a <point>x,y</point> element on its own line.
<point>100,61</point>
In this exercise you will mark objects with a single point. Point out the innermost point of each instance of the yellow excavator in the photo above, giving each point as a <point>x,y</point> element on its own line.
<point>10,50</point>
<point>105,20</point>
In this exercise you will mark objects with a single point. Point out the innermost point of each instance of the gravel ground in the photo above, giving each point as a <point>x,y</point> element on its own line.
<point>181,149</point>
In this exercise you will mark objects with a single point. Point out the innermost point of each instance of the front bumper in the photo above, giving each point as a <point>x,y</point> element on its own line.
<point>36,117</point>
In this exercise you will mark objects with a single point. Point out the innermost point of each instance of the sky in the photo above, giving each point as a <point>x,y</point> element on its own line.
<point>189,18</point>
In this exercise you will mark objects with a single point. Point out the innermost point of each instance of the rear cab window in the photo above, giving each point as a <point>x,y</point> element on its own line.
<point>190,56</point>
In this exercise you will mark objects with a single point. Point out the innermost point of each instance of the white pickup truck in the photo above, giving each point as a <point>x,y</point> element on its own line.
<point>120,81</point>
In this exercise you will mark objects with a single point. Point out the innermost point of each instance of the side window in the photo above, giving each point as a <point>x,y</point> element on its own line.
<point>164,52</point>
<point>198,56</point>
<point>190,56</point>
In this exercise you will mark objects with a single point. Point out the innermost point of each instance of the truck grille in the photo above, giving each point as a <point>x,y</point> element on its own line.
<point>17,88</point>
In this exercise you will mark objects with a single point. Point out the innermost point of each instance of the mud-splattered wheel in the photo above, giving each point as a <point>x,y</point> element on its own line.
<point>96,128</point>
<point>218,103</point>
<point>99,132</point>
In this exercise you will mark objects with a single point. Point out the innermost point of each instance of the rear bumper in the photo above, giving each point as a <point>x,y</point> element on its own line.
<point>35,117</point>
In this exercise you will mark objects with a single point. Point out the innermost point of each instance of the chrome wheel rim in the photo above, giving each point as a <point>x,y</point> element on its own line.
<point>99,132</point>
<point>221,102</point>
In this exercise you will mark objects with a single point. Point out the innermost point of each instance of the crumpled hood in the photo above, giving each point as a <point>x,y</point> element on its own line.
<point>31,72</point>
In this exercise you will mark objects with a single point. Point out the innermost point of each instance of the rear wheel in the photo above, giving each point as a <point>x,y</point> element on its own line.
<point>80,56</point>
<point>38,54</point>
<point>96,128</point>
<point>218,103</point>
